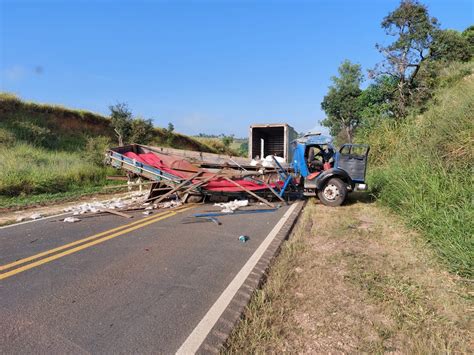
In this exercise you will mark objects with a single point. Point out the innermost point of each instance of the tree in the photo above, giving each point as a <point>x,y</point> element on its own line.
<point>169,133</point>
<point>414,29</point>
<point>141,131</point>
<point>121,117</point>
<point>377,98</point>
<point>342,103</point>
<point>468,34</point>
<point>450,45</point>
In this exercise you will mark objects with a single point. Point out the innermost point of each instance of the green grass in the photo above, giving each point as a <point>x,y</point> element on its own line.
<point>50,198</point>
<point>422,168</point>
<point>27,171</point>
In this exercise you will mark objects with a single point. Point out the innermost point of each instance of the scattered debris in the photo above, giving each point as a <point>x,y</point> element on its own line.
<point>168,204</point>
<point>20,219</point>
<point>268,162</point>
<point>115,204</point>
<point>217,214</point>
<point>230,207</point>
<point>36,216</point>
<point>96,206</point>
<point>71,219</point>
<point>146,213</point>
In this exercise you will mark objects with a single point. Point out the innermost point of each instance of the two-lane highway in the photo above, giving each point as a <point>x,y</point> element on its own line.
<point>108,284</point>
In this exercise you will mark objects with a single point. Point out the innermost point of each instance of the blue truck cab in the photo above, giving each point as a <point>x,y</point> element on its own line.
<point>326,172</point>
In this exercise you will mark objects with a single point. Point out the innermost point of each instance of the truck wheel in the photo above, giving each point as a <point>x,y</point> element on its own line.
<point>333,193</point>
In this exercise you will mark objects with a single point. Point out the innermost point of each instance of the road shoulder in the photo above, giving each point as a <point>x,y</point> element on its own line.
<point>354,279</point>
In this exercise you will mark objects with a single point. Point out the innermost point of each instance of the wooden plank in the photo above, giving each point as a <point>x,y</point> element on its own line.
<point>131,185</point>
<point>250,192</point>
<point>202,182</point>
<point>117,177</point>
<point>162,197</point>
<point>274,192</point>
<point>118,213</point>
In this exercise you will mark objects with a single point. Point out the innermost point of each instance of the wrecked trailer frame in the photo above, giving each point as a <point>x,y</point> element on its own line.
<point>116,157</point>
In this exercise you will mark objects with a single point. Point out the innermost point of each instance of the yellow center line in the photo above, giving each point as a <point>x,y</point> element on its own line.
<point>65,246</point>
<point>133,226</point>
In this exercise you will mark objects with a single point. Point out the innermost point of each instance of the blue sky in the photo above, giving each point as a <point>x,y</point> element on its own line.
<point>207,66</point>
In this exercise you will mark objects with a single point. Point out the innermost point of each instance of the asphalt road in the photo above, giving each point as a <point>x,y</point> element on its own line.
<point>140,288</point>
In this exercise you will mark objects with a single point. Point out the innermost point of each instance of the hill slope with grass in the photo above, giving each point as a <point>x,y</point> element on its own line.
<point>421,167</point>
<point>49,152</point>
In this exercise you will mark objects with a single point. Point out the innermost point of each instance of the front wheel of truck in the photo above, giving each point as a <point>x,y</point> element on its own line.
<point>333,193</point>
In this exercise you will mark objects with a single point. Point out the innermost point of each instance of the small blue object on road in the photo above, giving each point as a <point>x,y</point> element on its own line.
<point>243,238</point>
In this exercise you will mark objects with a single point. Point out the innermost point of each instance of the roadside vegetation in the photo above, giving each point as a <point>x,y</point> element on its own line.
<point>50,153</point>
<point>354,279</point>
<point>422,169</point>
<point>417,116</point>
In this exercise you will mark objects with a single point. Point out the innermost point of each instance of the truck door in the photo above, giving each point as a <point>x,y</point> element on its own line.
<point>353,159</point>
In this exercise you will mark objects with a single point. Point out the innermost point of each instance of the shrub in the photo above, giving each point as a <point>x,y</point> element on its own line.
<point>95,149</point>
<point>6,137</point>
<point>33,133</point>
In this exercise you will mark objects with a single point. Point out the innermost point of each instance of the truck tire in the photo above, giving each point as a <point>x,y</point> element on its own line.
<point>333,193</point>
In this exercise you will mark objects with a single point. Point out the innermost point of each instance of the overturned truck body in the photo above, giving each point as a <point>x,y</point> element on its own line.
<point>193,180</point>
<point>309,166</point>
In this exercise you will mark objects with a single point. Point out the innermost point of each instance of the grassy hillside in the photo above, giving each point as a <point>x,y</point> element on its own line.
<point>49,152</point>
<point>422,166</point>
<point>57,127</point>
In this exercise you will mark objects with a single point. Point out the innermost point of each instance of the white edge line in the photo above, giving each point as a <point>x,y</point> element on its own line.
<point>34,220</point>
<point>199,334</point>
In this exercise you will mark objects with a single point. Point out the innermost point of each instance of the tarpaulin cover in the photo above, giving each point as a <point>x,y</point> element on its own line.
<point>184,169</point>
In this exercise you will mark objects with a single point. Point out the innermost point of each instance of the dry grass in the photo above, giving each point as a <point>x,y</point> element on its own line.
<point>353,279</point>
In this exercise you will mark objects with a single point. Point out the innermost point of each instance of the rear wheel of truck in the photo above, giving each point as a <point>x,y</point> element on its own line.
<point>333,193</point>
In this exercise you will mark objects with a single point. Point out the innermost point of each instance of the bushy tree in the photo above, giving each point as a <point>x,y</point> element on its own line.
<point>413,29</point>
<point>468,34</point>
<point>342,103</point>
<point>377,99</point>
<point>128,128</point>
<point>141,131</point>
<point>169,133</point>
<point>121,117</point>
<point>450,45</point>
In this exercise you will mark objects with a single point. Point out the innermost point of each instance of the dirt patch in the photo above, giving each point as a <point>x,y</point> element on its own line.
<point>354,279</point>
